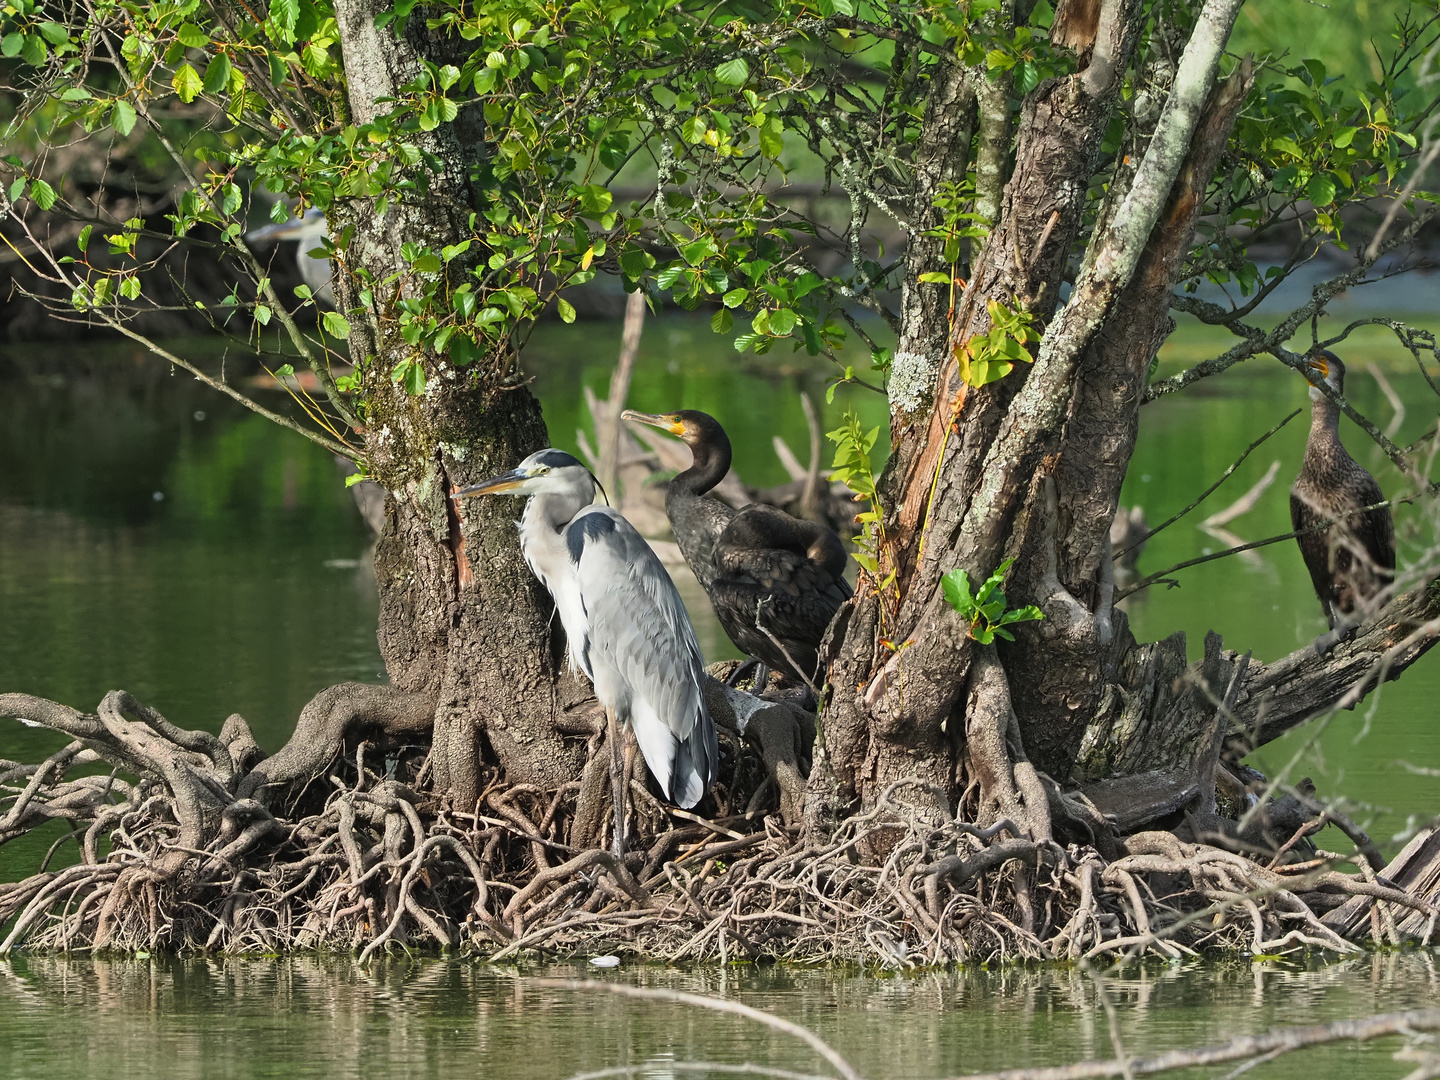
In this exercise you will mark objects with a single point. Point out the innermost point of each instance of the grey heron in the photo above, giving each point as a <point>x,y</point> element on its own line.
<point>308,228</point>
<point>625,625</point>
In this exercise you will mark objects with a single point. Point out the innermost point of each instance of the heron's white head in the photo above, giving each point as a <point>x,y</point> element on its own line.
<point>310,225</point>
<point>1323,366</point>
<point>545,472</point>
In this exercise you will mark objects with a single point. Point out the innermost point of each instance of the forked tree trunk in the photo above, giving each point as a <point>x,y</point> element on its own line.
<point>1029,466</point>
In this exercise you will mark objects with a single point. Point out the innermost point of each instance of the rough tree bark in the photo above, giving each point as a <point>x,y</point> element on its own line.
<point>462,619</point>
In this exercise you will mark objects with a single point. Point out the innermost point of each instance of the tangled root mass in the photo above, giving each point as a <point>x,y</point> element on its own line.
<point>191,841</point>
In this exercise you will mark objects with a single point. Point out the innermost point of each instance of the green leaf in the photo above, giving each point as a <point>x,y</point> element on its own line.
<point>463,350</point>
<point>414,381</point>
<point>772,137</point>
<point>733,72</point>
<point>1289,146</point>
<point>782,322</point>
<point>262,314</point>
<point>33,52</point>
<point>956,587</point>
<point>130,287</point>
<point>192,37</point>
<point>187,83</point>
<point>43,194</point>
<point>283,16</point>
<point>692,131</point>
<point>337,324</point>
<point>1321,189</point>
<point>54,33</point>
<point>1028,613</point>
<point>698,251</point>
<point>566,309</point>
<point>464,303</point>
<point>722,321</point>
<point>634,263</point>
<point>12,43</point>
<point>217,75</point>
<point>122,117</point>
<point>735,297</point>
<point>285,371</point>
<point>83,240</point>
<point>934,277</point>
<point>595,199</point>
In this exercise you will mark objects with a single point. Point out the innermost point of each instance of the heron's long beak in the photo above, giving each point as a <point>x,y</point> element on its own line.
<point>496,485</point>
<point>664,423</point>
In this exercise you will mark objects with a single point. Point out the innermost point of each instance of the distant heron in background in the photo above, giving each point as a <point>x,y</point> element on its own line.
<point>625,624</point>
<point>309,229</point>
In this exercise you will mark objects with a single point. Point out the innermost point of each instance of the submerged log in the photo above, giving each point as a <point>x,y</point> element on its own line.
<point>1416,872</point>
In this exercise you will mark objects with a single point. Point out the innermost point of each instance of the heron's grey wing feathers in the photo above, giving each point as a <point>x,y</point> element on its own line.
<point>640,632</point>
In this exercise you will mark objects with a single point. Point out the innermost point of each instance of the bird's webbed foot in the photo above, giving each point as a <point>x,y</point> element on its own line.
<point>1328,640</point>
<point>762,675</point>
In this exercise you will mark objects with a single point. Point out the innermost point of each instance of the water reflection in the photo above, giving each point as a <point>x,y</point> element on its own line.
<point>316,1015</point>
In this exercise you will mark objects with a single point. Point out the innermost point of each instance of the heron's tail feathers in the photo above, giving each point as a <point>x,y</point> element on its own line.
<point>696,759</point>
<point>684,766</point>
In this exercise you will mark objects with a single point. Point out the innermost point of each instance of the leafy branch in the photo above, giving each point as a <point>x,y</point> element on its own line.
<point>984,609</point>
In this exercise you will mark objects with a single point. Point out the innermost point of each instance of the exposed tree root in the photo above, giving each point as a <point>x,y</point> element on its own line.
<point>178,850</point>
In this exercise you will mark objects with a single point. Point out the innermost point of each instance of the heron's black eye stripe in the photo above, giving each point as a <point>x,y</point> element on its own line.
<point>555,459</point>
<point>589,527</point>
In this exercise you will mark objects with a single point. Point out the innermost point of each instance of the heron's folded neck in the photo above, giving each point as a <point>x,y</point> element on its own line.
<point>550,512</point>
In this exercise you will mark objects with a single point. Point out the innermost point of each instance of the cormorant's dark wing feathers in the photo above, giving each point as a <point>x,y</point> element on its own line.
<point>789,572</point>
<point>1314,549</point>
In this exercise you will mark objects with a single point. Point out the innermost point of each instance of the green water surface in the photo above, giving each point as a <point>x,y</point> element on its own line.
<point>308,1016</point>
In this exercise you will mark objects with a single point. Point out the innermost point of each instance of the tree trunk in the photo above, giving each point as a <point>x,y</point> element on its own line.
<point>462,619</point>
<point>1028,467</point>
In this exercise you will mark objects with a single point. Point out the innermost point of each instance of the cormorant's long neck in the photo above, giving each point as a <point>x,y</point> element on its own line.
<point>711,462</point>
<point>1324,445</point>
<point>1324,417</point>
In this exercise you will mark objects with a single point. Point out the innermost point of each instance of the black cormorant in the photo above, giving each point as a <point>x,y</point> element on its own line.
<point>1353,559</point>
<point>756,563</point>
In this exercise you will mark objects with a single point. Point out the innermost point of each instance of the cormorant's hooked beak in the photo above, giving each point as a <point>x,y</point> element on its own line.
<point>1316,370</point>
<point>664,423</point>
<point>496,485</point>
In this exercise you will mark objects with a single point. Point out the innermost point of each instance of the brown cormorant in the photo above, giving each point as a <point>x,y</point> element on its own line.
<point>755,563</point>
<point>1352,560</point>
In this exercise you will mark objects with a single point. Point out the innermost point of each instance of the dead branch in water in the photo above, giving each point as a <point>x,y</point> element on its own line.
<point>1252,1049</point>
